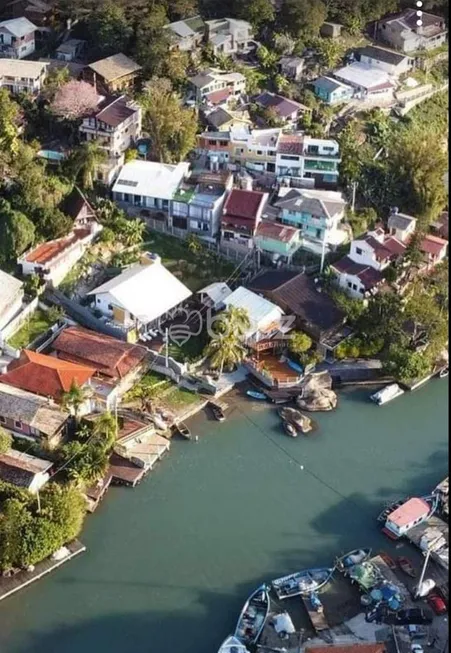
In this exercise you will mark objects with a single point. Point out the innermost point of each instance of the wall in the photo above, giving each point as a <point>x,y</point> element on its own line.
<point>367,257</point>
<point>11,310</point>
<point>16,323</point>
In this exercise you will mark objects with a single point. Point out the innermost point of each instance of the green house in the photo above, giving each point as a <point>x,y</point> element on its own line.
<point>276,240</point>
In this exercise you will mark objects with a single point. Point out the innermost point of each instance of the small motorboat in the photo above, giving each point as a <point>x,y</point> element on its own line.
<point>289,429</point>
<point>388,560</point>
<point>253,616</point>
<point>300,421</point>
<point>217,411</point>
<point>406,566</point>
<point>232,645</point>
<point>354,557</point>
<point>181,429</point>
<point>443,373</point>
<point>256,395</point>
<point>302,582</point>
<point>387,394</point>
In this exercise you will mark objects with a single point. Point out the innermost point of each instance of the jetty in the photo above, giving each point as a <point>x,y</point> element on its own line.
<point>317,617</point>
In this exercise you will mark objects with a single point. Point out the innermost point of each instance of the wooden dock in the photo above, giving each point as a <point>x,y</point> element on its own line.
<point>13,584</point>
<point>317,617</point>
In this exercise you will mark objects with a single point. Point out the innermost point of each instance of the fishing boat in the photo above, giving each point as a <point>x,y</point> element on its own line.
<point>253,616</point>
<point>182,429</point>
<point>289,429</point>
<point>388,560</point>
<point>387,394</point>
<point>406,566</point>
<point>255,395</point>
<point>354,557</point>
<point>390,507</point>
<point>217,411</point>
<point>443,373</point>
<point>302,582</point>
<point>232,645</point>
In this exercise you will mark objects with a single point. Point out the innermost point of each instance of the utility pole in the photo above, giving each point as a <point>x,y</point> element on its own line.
<point>354,188</point>
<point>423,571</point>
<point>166,349</point>
<point>323,253</point>
<point>39,501</point>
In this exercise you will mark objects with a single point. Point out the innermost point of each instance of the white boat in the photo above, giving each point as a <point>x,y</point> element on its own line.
<point>302,582</point>
<point>232,645</point>
<point>444,373</point>
<point>387,394</point>
<point>355,557</point>
<point>253,616</point>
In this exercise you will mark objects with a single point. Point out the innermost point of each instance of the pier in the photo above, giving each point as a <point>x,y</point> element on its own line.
<point>317,617</point>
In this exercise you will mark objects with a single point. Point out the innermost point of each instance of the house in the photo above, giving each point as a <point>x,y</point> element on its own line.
<point>118,364</point>
<point>331,91</point>
<point>22,76</point>
<point>291,67</point>
<point>198,202</point>
<point>254,149</point>
<point>47,376</point>
<point>403,32</point>
<point>24,470</point>
<point>141,296</point>
<point>149,185</point>
<point>368,82</point>
<point>115,125</point>
<point>214,295</point>
<point>115,73</point>
<point>331,30</point>
<point>434,250</point>
<point>401,226</point>
<point>214,86</point>
<point>318,214</point>
<point>229,36</point>
<point>308,158</point>
<point>409,514</point>
<point>37,11</point>
<point>285,110</point>
<point>241,215</point>
<point>11,298</point>
<point>54,259</point>
<point>277,241</point>
<point>17,38</point>
<point>28,416</point>
<point>313,310</point>
<point>221,119</point>
<point>394,63</point>
<point>70,50</point>
<point>77,207</point>
<point>187,35</point>
<point>357,279</point>
<point>264,316</point>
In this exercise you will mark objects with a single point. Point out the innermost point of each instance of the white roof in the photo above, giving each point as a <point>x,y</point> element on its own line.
<point>217,292</point>
<point>146,291</point>
<point>181,28</point>
<point>21,68</point>
<point>19,26</point>
<point>9,287</point>
<point>363,75</point>
<point>261,311</point>
<point>150,179</point>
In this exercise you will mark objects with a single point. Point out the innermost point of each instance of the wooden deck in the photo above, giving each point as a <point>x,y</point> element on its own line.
<point>318,619</point>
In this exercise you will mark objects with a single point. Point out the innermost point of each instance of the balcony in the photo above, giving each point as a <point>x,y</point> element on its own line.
<point>322,166</point>
<point>321,155</point>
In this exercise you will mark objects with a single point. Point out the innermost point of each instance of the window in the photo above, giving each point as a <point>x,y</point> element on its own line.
<point>110,307</point>
<point>259,152</point>
<point>223,143</point>
<point>286,157</point>
<point>18,424</point>
<point>212,142</point>
<point>98,300</point>
<point>318,233</point>
<point>271,153</point>
<point>354,286</point>
<point>358,251</point>
<point>349,284</point>
<point>2,420</point>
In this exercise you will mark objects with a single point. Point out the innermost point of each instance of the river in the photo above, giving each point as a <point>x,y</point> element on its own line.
<point>170,563</point>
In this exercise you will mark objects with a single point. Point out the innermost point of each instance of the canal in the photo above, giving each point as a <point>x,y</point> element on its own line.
<point>170,563</point>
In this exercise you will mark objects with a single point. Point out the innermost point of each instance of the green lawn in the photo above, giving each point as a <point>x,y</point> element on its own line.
<point>178,398</point>
<point>35,325</point>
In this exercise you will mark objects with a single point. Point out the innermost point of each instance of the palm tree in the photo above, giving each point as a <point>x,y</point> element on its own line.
<point>133,232</point>
<point>86,159</point>
<point>235,320</point>
<point>105,430</point>
<point>225,350</point>
<point>75,397</point>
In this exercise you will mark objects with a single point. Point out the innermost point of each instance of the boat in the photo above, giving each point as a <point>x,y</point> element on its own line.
<point>302,582</point>
<point>300,421</point>
<point>388,560</point>
<point>182,429</point>
<point>217,411</point>
<point>255,395</point>
<point>387,394</point>
<point>406,566</point>
<point>382,517</point>
<point>295,366</point>
<point>253,616</point>
<point>443,373</point>
<point>289,429</point>
<point>354,557</point>
<point>232,645</point>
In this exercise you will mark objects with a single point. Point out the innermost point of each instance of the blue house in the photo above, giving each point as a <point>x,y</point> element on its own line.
<point>332,91</point>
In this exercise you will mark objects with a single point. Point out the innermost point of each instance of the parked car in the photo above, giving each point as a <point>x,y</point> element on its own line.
<point>437,604</point>
<point>413,616</point>
<point>417,648</point>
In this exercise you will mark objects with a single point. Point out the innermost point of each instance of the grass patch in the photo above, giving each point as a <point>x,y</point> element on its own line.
<point>178,398</point>
<point>34,326</point>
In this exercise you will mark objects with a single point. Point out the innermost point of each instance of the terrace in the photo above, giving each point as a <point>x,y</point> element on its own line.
<point>272,371</point>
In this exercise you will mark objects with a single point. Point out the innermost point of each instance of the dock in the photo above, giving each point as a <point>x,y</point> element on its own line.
<point>317,617</point>
<point>11,585</point>
<point>393,578</point>
<point>432,529</point>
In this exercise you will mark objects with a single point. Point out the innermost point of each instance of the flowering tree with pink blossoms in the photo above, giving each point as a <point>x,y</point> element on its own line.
<point>75,100</point>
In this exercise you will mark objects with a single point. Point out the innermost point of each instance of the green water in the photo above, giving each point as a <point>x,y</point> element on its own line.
<point>170,563</point>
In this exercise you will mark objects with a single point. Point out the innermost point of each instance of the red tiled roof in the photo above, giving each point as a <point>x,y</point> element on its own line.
<point>241,224</point>
<point>217,97</point>
<point>109,356</point>
<point>243,203</point>
<point>276,231</point>
<point>390,248</point>
<point>290,144</point>
<point>44,253</point>
<point>367,275</point>
<point>410,511</point>
<point>433,245</point>
<point>381,87</point>
<point>45,375</point>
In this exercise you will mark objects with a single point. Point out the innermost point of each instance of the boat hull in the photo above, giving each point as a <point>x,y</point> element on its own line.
<point>232,645</point>
<point>354,557</point>
<point>302,583</point>
<point>253,394</point>
<point>253,617</point>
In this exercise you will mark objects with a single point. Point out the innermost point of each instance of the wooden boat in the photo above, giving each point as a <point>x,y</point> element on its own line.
<point>388,560</point>
<point>253,616</point>
<point>256,395</point>
<point>354,557</point>
<point>443,373</point>
<point>182,429</point>
<point>217,411</point>
<point>406,566</point>
<point>289,429</point>
<point>302,582</point>
<point>232,645</point>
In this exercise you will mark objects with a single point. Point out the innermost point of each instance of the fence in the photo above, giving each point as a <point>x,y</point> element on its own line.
<point>17,322</point>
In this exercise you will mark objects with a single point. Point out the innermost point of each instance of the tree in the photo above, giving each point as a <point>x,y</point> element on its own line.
<point>329,51</point>
<point>225,350</point>
<point>105,431</point>
<point>133,232</point>
<point>5,441</point>
<point>17,232</point>
<point>268,59</point>
<point>52,223</point>
<point>284,44</point>
<point>172,128</point>
<point>9,133</point>
<point>55,79</point>
<point>74,100</point>
<point>85,161</point>
<point>352,153</point>
<point>108,29</point>
<point>299,342</point>
<point>258,12</point>
<point>406,365</point>
<point>152,42</point>
<point>303,18</point>
<point>74,398</point>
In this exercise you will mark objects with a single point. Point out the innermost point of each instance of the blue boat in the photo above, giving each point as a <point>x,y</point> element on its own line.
<point>295,366</point>
<point>255,395</point>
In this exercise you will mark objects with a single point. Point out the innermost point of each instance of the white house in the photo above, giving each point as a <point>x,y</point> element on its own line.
<point>229,36</point>
<point>11,297</point>
<point>24,470</point>
<point>265,317</point>
<point>394,63</point>
<point>401,226</point>
<point>187,34</point>
<point>306,157</point>
<point>17,38</point>
<point>214,295</point>
<point>214,85</point>
<point>409,514</point>
<point>22,76</point>
<point>404,33</point>
<point>141,296</point>
<point>368,81</point>
<point>148,184</point>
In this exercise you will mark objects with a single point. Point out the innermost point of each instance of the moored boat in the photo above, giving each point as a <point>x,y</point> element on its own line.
<point>182,430</point>
<point>256,395</point>
<point>253,616</point>
<point>216,409</point>
<point>354,557</point>
<point>232,645</point>
<point>302,582</point>
<point>406,566</point>
<point>300,421</point>
<point>390,392</point>
<point>443,373</point>
<point>388,560</point>
<point>289,429</point>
